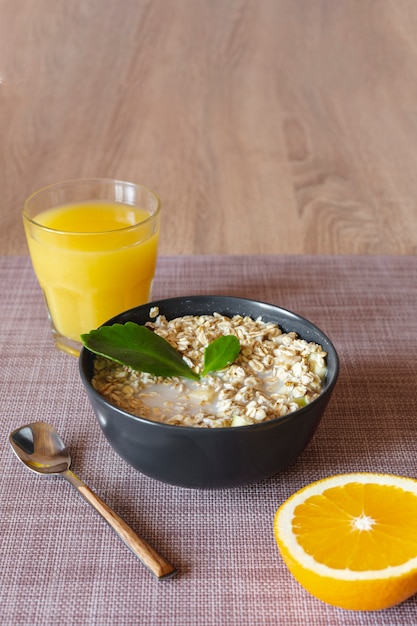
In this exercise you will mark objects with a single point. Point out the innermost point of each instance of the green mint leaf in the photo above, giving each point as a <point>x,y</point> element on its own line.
<point>220,353</point>
<point>139,348</point>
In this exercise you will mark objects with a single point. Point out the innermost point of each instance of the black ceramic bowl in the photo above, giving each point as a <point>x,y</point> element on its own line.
<point>212,457</point>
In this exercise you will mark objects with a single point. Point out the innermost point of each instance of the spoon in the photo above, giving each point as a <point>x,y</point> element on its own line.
<point>42,450</point>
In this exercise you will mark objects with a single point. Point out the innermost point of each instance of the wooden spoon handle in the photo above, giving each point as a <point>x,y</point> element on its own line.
<point>156,563</point>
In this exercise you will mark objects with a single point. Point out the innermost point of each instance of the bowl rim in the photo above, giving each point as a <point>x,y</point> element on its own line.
<point>326,390</point>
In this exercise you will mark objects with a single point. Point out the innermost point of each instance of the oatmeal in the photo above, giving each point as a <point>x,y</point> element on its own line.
<point>274,374</point>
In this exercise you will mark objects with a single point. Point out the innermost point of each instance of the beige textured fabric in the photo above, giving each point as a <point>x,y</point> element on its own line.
<point>61,564</point>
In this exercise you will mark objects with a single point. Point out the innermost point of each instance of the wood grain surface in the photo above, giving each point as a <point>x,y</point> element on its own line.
<point>266,126</point>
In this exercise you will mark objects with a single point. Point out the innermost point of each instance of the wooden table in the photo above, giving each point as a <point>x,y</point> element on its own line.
<point>61,564</point>
<point>266,126</point>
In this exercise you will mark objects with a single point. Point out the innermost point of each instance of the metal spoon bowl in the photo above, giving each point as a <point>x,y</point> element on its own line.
<point>42,450</point>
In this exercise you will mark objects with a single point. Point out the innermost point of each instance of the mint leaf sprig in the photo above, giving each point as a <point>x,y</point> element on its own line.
<point>143,350</point>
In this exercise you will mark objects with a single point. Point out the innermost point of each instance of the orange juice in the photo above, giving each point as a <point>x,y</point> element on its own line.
<point>93,259</point>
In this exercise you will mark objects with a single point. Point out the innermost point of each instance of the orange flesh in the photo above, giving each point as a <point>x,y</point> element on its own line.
<point>326,526</point>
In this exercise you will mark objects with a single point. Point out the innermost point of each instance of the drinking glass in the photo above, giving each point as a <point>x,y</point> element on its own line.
<point>93,245</point>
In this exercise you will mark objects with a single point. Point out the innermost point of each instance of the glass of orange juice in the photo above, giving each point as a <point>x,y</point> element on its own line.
<point>93,245</point>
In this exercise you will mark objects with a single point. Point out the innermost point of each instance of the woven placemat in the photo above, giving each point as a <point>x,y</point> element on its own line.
<point>61,564</point>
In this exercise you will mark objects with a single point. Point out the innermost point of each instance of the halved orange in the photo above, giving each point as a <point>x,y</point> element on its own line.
<point>351,539</point>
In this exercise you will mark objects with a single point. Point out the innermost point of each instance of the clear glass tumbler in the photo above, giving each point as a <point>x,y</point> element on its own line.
<point>93,245</point>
